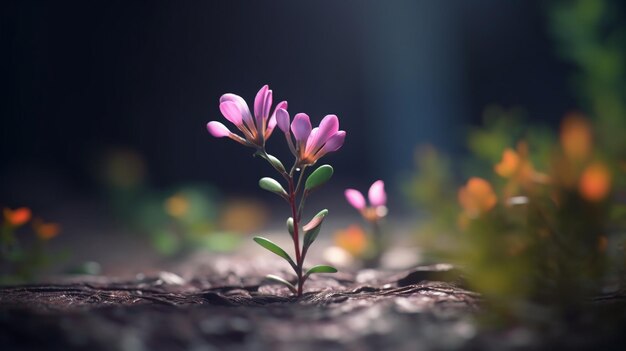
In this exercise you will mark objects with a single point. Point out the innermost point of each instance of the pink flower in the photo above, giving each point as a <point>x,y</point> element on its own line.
<point>311,143</point>
<point>377,201</point>
<point>255,130</point>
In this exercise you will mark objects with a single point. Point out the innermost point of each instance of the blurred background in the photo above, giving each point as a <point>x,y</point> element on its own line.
<point>104,104</point>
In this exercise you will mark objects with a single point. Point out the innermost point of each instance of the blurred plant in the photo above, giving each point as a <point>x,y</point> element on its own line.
<point>177,220</point>
<point>242,215</point>
<point>528,236</point>
<point>22,259</point>
<point>541,222</point>
<point>309,146</point>
<point>372,214</point>
<point>591,34</point>
<point>183,219</point>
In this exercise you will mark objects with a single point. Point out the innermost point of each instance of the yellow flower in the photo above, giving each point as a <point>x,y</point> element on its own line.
<point>595,182</point>
<point>18,216</point>
<point>177,206</point>
<point>477,197</point>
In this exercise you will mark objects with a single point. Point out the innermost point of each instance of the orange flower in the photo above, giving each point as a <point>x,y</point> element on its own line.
<point>509,164</point>
<point>352,239</point>
<point>516,166</point>
<point>595,182</point>
<point>576,139</point>
<point>46,231</point>
<point>477,197</point>
<point>18,216</point>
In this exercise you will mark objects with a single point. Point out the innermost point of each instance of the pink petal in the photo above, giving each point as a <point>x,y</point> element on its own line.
<point>377,194</point>
<point>301,127</point>
<point>355,198</point>
<point>262,105</point>
<point>334,143</point>
<point>328,127</point>
<point>259,100</point>
<point>271,124</point>
<point>282,119</point>
<point>311,140</point>
<point>242,106</point>
<point>217,129</point>
<point>282,104</point>
<point>231,112</point>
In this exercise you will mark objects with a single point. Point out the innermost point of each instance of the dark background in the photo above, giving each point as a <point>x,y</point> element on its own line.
<point>80,78</point>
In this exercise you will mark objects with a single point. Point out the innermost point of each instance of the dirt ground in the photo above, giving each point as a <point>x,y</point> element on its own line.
<point>224,304</point>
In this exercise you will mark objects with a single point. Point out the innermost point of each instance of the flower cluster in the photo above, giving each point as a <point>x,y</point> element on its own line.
<point>311,144</point>
<point>574,169</point>
<point>307,145</point>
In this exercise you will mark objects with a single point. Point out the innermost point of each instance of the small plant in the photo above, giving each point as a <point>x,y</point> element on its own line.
<point>20,258</point>
<point>307,145</point>
<point>176,221</point>
<point>540,227</point>
<point>373,214</point>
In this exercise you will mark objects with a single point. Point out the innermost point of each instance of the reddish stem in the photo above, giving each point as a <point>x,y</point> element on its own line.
<point>296,239</point>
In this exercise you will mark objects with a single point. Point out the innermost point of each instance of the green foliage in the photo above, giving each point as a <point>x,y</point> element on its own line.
<point>591,35</point>
<point>281,281</point>
<point>269,245</point>
<point>432,191</point>
<point>318,177</point>
<point>276,163</point>
<point>320,269</point>
<point>312,229</point>
<point>272,185</point>
<point>290,226</point>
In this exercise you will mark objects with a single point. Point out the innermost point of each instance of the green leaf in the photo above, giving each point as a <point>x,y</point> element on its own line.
<point>290,225</point>
<point>272,185</point>
<point>276,163</point>
<point>319,176</point>
<point>280,280</point>
<point>320,269</point>
<point>266,243</point>
<point>312,229</point>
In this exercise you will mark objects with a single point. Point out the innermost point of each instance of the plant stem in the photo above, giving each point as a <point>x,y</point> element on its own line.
<point>378,243</point>
<point>296,212</point>
<point>296,239</point>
